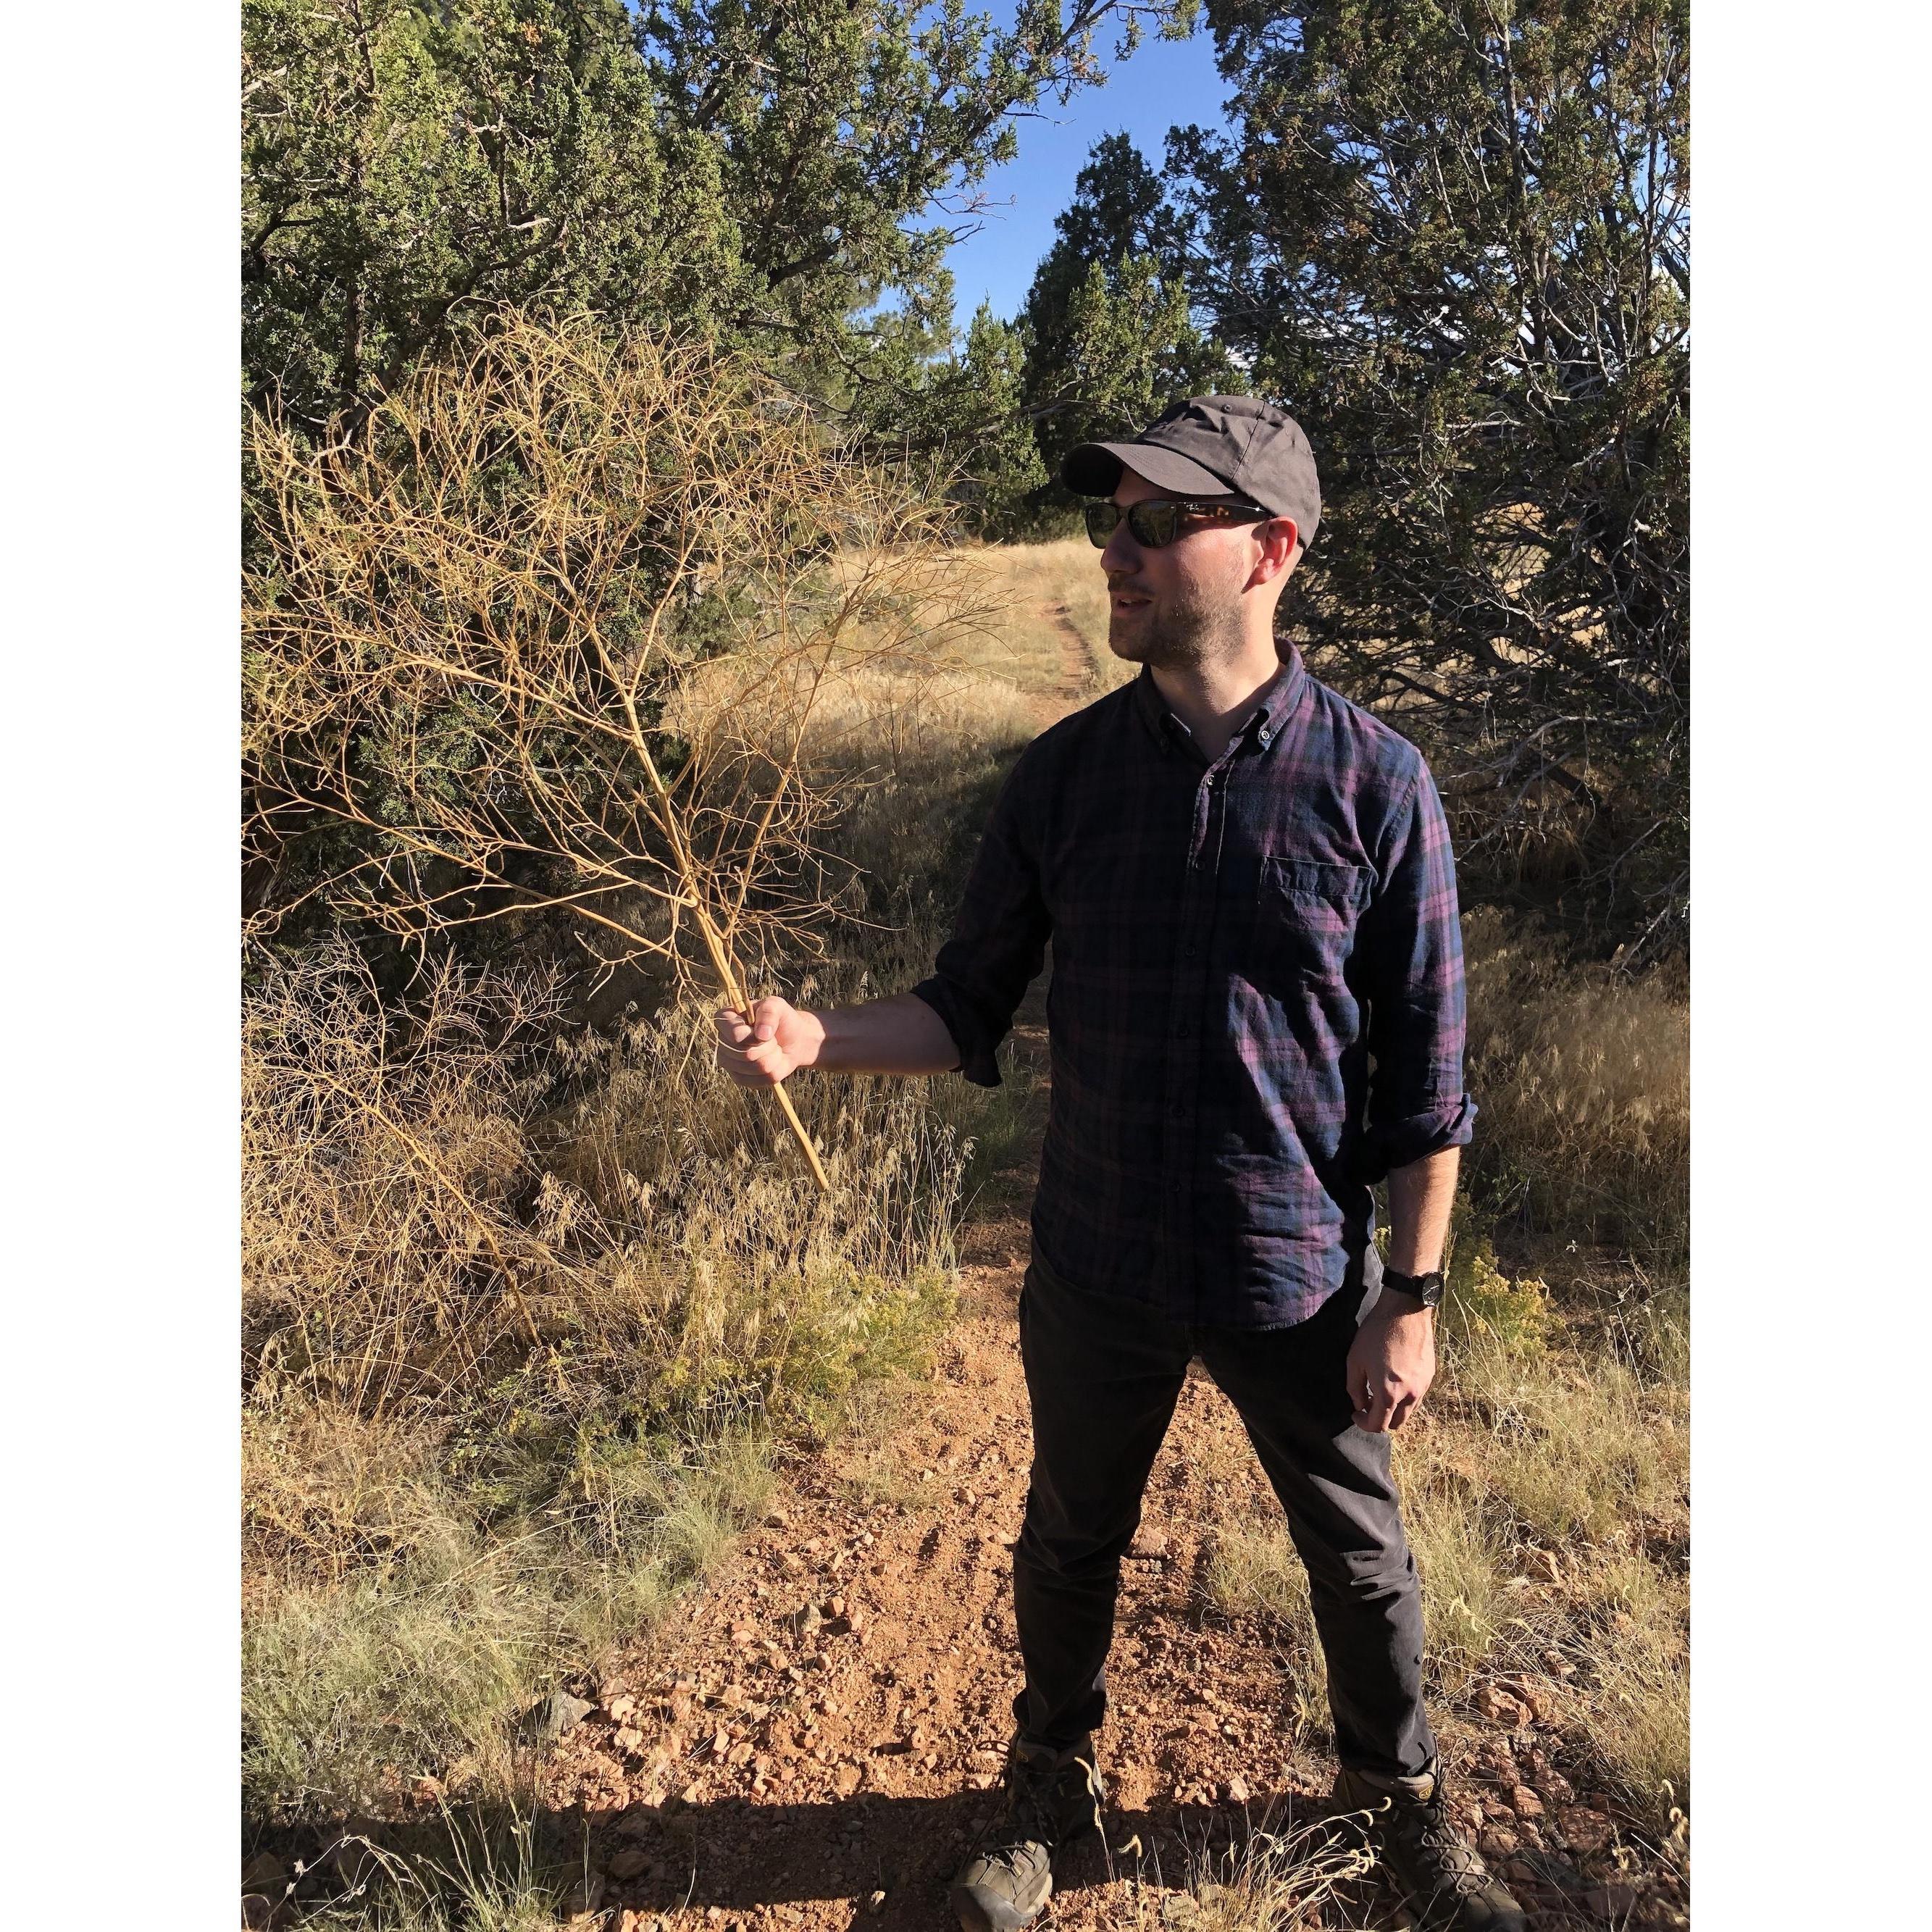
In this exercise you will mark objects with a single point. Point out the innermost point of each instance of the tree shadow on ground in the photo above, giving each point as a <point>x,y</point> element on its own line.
<point>886,1861</point>
<point>739,1854</point>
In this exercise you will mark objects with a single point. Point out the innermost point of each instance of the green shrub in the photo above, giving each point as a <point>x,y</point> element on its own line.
<point>1481,1301</point>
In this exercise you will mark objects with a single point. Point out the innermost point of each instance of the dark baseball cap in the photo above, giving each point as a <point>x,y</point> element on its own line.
<point>1206,446</point>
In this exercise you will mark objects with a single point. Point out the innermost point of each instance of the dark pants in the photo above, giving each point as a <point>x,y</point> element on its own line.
<point>1103,1375</point>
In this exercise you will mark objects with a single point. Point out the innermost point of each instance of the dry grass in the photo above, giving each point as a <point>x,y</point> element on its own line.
<point>1009,611</point>
<point>1584,1079</point>
<point>879,1419</point>
<point>419,1662</point>
<point>498,1353</point>
<point>1253,1570</point>
<point>504,1877</point>
<point>418,1217</point>
<point>1038,591</point>
<point>1545,1491</point>
<point>1289,1880</point>
<point>524,1300</point>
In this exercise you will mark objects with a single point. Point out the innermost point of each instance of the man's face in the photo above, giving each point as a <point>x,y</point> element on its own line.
<point>1180,605</point>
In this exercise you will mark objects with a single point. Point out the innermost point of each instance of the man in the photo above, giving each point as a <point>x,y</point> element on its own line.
<point>1256,1013</point>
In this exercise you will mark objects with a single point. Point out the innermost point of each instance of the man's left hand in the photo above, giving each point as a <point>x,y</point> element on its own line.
<point>1391,1363</point>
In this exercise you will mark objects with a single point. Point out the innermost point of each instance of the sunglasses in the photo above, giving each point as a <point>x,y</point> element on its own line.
<point>1155,524</point>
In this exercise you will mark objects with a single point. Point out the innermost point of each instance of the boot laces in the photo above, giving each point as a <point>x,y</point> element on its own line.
<point>1452,1861</point>
<point>1031,1813</point>
<point>1030,1810</point>
<point>1025,1819</point>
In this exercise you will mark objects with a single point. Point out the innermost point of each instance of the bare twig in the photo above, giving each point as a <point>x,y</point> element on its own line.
<point>552,638</point>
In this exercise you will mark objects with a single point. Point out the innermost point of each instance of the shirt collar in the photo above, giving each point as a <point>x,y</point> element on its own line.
<point>1269,711</point>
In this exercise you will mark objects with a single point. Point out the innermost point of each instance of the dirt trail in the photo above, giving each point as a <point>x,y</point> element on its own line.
<point>816,1743</point>
<point>1074,683</point>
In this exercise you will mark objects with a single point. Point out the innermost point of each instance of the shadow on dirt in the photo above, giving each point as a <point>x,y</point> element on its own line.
<point>886,1860</point>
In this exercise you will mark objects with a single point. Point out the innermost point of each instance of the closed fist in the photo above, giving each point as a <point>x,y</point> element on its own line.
<point>761,1047</point>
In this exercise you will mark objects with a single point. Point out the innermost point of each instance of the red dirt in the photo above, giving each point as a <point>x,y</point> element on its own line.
<point>782,1771</point>
<point>1074,685</point>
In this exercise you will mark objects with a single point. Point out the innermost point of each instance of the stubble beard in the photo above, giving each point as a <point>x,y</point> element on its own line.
<point>1178,636</point>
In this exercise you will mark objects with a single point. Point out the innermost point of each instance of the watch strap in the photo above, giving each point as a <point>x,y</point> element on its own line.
<point>1425,1290</point>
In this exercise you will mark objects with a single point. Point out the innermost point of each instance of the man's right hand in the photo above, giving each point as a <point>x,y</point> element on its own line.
<point>760,1048</point>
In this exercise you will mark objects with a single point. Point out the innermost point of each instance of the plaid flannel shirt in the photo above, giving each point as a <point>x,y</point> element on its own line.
<point>1256,1005</point>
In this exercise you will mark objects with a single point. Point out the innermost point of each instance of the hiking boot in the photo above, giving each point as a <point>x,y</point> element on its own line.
<point>1051,1798</point>
<point>1441,1875</point>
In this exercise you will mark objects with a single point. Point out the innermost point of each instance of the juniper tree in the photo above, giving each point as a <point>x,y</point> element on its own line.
<point>406,168</point>
<point>1111,338</point>
<point>1453,237</point>
<point>762,171</point>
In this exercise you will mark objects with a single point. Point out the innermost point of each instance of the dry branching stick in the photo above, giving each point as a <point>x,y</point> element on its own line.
<point>549,645</point>
<point>728,980</point>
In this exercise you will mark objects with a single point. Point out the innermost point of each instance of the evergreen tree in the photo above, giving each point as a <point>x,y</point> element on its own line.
<point>959,403</point>
<point>1111,338</point>
<point>1119,209</point>
<point>406,167</point>
<point>1453,238</point>
<point>763,172</point>
<point>1003,465</point>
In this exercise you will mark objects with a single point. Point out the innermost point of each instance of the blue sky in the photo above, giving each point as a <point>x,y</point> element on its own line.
<point>1165,84</point>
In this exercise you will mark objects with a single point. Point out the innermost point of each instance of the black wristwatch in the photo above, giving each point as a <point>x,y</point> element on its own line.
<point>1425,1290</point>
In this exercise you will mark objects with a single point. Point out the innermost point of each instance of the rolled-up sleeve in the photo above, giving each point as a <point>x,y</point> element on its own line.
<point>998,943</point>
<point>1411,959</point>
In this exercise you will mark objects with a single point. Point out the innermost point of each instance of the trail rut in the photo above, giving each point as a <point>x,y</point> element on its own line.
<point>1075,683</point>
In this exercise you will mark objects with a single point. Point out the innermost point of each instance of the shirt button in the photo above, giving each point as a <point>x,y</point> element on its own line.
<point>1180,1031</point>
<point>1190,951</point>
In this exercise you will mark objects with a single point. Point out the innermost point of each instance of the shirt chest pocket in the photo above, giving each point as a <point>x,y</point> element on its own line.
<point>1307,912</point>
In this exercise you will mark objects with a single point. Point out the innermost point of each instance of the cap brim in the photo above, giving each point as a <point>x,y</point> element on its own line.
<point>1093,469</point>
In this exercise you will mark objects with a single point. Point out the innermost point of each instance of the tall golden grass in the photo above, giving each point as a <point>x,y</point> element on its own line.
<point>1050,596</point>
<point>1583,1075</point>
